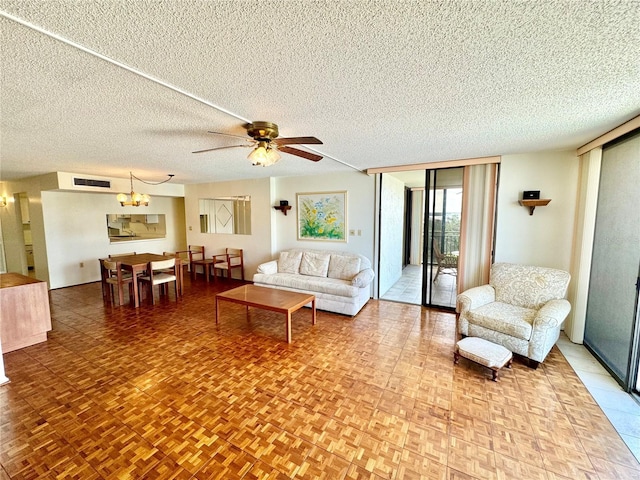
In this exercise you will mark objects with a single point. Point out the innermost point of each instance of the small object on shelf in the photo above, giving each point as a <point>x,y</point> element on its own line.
<point>284,203</point>
<point>283,208</point>
<point>531,195</point>
<point>532,204</point>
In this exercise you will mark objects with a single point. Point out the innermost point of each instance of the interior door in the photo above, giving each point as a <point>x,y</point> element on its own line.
<point>612,306</point>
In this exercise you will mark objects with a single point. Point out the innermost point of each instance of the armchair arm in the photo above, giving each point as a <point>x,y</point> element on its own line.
<point>268,268</point>
<point>363,278</point>
<point>552,314</point>
<point>546,328</point>
<point>475,297</point>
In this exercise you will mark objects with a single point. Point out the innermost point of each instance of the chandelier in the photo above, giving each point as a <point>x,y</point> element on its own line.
<point>138,199</point>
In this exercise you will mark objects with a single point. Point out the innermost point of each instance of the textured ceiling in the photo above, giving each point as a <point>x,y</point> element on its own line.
<point>380,82</point>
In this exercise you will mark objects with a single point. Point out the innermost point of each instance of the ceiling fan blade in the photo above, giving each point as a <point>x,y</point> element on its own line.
<point>297,141</point>
<point>220,148</point>
<point>228,135</point>
<point>300,153</point>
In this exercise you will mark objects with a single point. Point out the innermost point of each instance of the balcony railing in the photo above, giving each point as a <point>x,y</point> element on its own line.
<point>449,242</point>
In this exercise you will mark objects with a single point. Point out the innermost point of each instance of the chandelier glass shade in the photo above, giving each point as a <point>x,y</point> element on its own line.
<point>264,155</point>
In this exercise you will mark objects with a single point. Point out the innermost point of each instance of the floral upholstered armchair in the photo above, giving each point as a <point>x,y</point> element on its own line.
<point>522,309</point>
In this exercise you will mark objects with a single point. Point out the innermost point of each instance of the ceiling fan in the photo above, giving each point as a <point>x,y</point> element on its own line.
<point>266,144</point>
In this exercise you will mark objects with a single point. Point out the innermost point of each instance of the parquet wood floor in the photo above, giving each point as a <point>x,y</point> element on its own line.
<point>165,393</point>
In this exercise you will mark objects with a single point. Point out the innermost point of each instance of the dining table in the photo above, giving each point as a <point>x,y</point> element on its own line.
<point>137,263</point>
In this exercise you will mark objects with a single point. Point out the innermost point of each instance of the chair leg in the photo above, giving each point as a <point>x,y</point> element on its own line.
<point>151,294</point>
<point>109,294</point>
<point>121,294</point>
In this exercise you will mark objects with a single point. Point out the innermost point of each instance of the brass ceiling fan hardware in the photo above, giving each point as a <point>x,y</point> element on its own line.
<point>266,144</point>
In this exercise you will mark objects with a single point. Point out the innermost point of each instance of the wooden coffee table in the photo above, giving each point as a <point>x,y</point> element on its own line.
<point>282,301</point>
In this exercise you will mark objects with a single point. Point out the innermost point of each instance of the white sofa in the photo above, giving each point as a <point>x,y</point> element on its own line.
<point>341,281</point>
<point>522,308</point>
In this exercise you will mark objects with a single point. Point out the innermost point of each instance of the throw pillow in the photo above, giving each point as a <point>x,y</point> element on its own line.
<point>314,264</point>
<point>289,262</point>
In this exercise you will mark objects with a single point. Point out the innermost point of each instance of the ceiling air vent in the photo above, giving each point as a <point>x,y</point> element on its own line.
<point>88,182</point>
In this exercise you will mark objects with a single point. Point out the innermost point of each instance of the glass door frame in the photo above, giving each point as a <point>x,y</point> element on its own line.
<point>430,217</point>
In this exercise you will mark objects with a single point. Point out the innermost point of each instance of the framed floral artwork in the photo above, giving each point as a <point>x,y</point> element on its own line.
<point>322,216</point>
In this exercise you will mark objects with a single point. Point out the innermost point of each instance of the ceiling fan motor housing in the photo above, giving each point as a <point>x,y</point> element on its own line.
<point>265,131</point>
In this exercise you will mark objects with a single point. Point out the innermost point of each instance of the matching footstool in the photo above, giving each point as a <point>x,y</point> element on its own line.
<point>483,352</point>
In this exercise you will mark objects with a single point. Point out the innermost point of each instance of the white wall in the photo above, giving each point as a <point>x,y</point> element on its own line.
<point>75,228</point>
<point>257,246</point>
<point>360,211</point>
<point>391,232</point>
<point>546,237</point>
<point>271,230</point>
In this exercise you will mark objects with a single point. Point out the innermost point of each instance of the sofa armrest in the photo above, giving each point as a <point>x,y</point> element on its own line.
<point>363,278</point>
<point>475,297</point>
<point>268,268</point>
<point>552,314</point>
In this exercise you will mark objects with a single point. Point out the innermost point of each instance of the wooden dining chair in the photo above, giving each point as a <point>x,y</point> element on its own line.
<point>183,255</point>
<point>227,261</point>
<point>182,259</point>
<point>197,258</point>
<point>158,274</point>
<point>114,277</point>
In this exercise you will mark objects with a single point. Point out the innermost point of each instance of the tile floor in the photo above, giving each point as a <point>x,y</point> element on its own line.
<point>408,288</point>
<point>620,408</point>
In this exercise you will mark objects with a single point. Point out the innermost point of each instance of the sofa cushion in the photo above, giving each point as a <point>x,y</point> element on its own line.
<point>314,264</point>
<point>289,262</point>
<point>343,267</point>
<point>310,284</point>
<point>504,318</point>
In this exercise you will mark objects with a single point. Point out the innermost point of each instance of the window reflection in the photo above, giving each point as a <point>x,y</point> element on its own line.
<point>130,227</point>
<point>230,215</point>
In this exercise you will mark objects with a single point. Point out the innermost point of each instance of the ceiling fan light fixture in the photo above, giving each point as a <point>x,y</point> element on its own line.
<point>264,155</point>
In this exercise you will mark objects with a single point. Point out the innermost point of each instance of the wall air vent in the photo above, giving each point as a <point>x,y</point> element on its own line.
<point>88,182</point>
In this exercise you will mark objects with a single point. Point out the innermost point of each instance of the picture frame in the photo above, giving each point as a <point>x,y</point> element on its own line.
<point>322,216</point>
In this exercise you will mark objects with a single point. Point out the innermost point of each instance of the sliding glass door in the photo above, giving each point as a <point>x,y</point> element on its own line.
<point>443,209</point>
<point>611,330</point>
<point>429,247</point>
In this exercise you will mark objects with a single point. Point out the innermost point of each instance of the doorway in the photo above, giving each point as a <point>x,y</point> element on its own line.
<point>22,201</point>
<point>416,208</point>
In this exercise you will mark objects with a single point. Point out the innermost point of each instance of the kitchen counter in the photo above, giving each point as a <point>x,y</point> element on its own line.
<point>25,317</point>
<point>137,238</point>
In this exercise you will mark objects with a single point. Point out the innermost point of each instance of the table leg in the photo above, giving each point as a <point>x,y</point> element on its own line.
<point>217,309</point>
<point>313,311</point>
<point>288,327</point>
